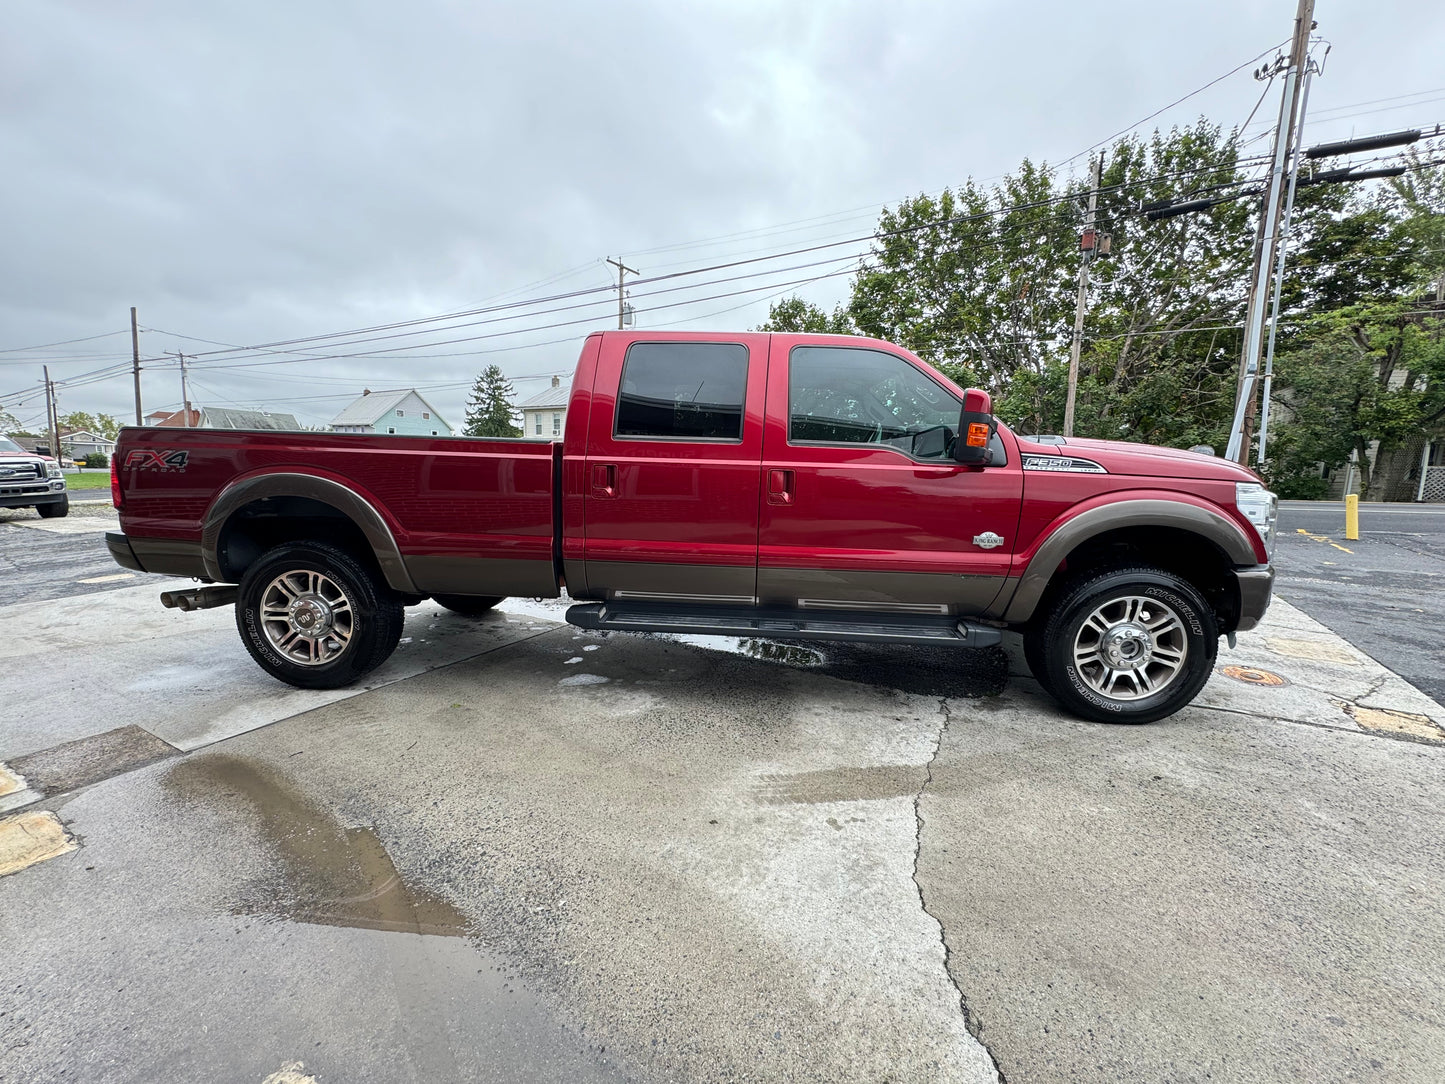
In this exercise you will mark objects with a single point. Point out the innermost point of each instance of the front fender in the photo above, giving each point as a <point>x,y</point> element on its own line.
<point>1109,513</point>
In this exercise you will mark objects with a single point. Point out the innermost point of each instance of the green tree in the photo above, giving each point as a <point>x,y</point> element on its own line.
<point>489,410</point>
<point>9,423</point>
<point>102,425</point>
<point>793,314</point>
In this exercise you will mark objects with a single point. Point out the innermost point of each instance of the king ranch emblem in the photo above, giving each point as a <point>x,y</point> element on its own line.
<point>988,540</point>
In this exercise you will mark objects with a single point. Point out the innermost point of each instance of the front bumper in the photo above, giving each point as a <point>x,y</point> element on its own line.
<point>30,494</point>
<point>1256,588</point>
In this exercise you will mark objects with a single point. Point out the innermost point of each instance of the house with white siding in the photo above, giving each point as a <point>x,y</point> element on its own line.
<point>401,413</point>
<point>544,414</point>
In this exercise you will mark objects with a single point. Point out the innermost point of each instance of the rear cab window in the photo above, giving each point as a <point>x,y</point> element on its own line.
<point>682,391</point>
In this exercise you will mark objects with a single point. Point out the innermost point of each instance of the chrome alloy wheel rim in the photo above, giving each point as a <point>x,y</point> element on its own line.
<point>1130,648</point>
<point>306,617</point>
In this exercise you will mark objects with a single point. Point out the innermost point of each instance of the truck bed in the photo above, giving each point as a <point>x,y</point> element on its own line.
<point>465,515</point>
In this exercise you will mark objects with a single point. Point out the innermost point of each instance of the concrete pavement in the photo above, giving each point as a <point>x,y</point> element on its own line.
<point>533,853</point>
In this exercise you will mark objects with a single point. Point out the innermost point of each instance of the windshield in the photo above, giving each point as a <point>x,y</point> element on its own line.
<point>8,445</point>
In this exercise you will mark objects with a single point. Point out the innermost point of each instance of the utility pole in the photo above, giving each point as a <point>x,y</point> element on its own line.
<point>1238,448</point>
<point>52,416</point>
<point>622,269</point>
<point>1310,71</point>
<point>185,392</point>
<point>135,361</point>
<point>1090,246</point>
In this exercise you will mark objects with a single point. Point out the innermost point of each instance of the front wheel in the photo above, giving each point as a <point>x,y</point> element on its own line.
<point>56,509</point>
<point>1129,645</point>
<point>316,618</point>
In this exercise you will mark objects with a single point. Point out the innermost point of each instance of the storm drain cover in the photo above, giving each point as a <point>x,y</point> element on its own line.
<point>1253,675</point>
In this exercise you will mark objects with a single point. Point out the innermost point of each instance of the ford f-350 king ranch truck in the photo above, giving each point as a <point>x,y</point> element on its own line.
<point>34,481</point>
<point>773,485</point>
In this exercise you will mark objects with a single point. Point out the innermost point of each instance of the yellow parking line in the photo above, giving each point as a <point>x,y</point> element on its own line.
<point>1323,538</point>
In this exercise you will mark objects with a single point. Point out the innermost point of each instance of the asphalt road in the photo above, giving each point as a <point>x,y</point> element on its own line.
<point>39,564</point>
<point>1385,593</point>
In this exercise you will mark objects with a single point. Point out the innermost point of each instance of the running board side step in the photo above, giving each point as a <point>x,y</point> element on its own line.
<point>784,624</point>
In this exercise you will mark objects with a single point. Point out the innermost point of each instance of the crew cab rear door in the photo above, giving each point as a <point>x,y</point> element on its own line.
<point>859,514</point>
<point>671,479</point>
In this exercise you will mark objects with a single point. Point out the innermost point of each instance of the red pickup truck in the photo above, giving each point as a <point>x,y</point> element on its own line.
<point>772,485</point>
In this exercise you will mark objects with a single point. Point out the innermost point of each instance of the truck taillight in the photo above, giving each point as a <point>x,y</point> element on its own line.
<point>114,483</point>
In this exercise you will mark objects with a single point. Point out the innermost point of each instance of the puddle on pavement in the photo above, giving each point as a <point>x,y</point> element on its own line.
<point>925,671</point>
<point>451,1009</point>
<point>327,874</point>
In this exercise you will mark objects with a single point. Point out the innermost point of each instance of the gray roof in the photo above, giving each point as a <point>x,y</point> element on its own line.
<point>366,409</point>
<point>548,397</point>
<point>225,418</point>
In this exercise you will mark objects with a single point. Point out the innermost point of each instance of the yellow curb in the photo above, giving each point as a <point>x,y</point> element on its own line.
<point>1396,722</point>
<point>1311,650</point>
<point>9,781</point>
<point>31,838</point>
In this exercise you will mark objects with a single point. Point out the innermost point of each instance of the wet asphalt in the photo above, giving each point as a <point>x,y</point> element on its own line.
<point>1385,593</point>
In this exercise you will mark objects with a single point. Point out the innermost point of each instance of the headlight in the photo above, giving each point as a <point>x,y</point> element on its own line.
<point>52,470</point>
<point>1261,508</point>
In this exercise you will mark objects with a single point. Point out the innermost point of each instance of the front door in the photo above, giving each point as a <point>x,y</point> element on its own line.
<point>673,450</point>
<point>862,506</point>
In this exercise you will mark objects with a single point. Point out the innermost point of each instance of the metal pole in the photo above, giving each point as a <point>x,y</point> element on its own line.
<point>1254,323</point>
<point>1085,259</point>
<point>135,361</point>
<point>1424,466</point>
<point>1279,262</point>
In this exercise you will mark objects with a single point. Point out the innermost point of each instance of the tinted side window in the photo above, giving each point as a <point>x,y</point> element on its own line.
<point>683,391</point>
<point>840,395</point>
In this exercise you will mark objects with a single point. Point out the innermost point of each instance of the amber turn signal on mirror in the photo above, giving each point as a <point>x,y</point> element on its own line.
<point>978,434</point>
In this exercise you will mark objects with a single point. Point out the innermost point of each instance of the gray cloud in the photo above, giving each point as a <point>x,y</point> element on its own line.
<point>252,172</point>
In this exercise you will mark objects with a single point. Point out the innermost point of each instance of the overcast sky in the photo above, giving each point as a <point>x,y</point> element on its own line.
<point>248,173</point>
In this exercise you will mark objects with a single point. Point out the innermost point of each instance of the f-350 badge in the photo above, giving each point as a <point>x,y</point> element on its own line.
<point>988,540</point>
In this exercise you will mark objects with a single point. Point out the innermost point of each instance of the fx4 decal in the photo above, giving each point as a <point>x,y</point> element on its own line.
<point>145,459</point>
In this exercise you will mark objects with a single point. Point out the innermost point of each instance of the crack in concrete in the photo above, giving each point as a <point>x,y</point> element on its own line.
<point>970,1018</point>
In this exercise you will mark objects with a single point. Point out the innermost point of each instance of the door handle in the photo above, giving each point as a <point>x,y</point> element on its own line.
<point>780,487</point>
<point>604,480</point>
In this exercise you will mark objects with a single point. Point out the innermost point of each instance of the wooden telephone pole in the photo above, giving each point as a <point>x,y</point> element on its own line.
<point>135,361</point>
<point>622,269</point>
<point>52,416</point>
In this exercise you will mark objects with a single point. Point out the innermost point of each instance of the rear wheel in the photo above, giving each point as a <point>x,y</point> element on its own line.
<point>55,510</point>
<point>468,605</point>
<point>1129,645</point>
<point>315,617</point>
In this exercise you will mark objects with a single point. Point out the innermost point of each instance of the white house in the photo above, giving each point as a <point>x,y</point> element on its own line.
<point>544,414</point>
<point>402,413</point>
<point>80,443</point>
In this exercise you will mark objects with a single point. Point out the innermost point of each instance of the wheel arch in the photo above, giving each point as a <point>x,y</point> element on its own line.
<point>265,509</point>
<point>1194,541</point>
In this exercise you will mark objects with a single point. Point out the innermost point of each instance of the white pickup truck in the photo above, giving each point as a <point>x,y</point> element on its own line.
<point>34,481</point>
